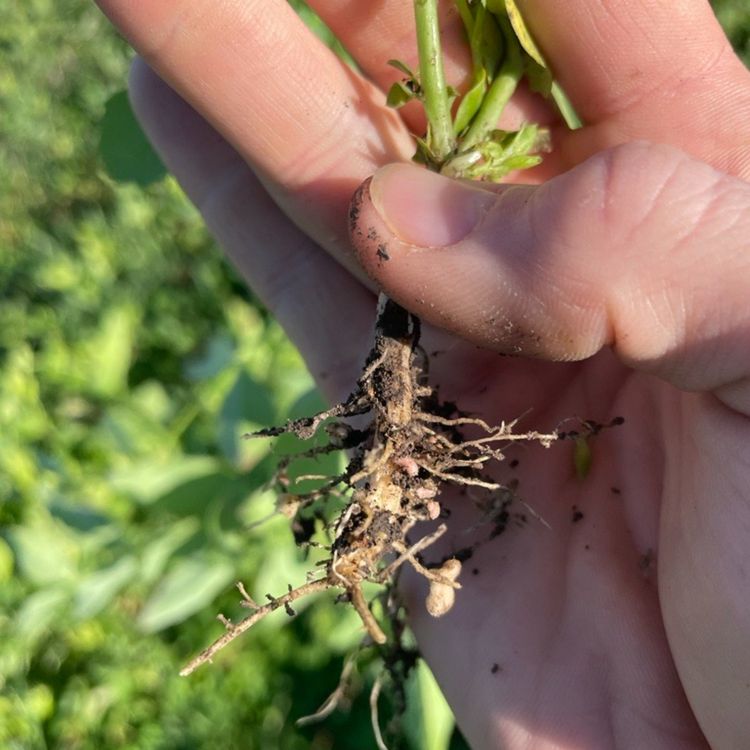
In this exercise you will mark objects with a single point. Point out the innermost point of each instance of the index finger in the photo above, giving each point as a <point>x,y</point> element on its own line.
<point>308,125</point>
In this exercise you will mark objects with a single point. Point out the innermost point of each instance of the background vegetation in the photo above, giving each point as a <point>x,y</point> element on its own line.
<point>131,359</point>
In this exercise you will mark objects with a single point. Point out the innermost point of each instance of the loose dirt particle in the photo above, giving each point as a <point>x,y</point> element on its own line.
<point>355,207</point>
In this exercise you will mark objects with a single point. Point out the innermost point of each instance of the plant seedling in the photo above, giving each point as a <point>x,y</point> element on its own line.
<point>407,444</point>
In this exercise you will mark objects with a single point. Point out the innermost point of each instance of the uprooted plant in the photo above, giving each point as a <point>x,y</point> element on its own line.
<point>404,445</point>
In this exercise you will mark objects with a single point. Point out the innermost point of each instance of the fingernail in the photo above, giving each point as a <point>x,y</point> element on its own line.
<point>426,209</point>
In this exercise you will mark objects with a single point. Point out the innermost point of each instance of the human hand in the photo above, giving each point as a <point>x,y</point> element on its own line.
<point>628,628</point>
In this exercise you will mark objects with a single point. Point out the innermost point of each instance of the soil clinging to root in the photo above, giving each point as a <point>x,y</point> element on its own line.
<point>398,463</point>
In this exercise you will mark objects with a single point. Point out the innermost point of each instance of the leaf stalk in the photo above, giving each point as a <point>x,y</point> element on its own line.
<point>500,91</point>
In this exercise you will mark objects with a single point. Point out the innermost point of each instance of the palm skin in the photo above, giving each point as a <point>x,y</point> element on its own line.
<point>571,615</point>
<point>627,629</point>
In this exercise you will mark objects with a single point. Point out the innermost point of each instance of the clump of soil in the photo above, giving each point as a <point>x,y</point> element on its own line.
<point>412,446</point>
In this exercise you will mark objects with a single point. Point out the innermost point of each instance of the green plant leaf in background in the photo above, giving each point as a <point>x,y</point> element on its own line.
<point>247,401</point>
<point>96,591</point>
<point>213,358</point>
<point>6,561</point>
<point>38,612</point>
<point>124,148</point>
<point>157,553</point>
<point>428,722</point>
<point>44,553</point>
<point>149,481</point>
<point>109,351</point>
<point>190,585</point>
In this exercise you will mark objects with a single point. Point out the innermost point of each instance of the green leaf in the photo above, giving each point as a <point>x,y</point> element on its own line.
<point>215,357</point>
<point>404,68</point>
<point>283,565</point>
<point>147,482</point>
<point>96,591</point>
<point>398,95</point>
<point>539,77</point>
<point>536,69</point>
<point>428,722</point>
<point>487,44</point>
<point>504,152</point>
<point>523,34</point>
<point>326,465</point>
<point>310,402</point>
<point>470,103</point>
<point>193,498</point>
<point>156,554</point>
<point>152,400</point>
<point>78,517</point>
<point>247,401</point>
<point>38,611</point>
<point>6,561</point>
<point>582,458</point>
<point>188,587</point>
<point>109,352</point>
<point>123,146</point>
<point>319,28</point>
<point>467,17</point>
<point>44,553</point>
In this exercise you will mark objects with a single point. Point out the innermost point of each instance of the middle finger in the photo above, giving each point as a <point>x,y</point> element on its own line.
<point>312,128</point>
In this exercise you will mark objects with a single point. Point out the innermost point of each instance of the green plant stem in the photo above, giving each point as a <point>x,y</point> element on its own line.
<point>567,111</point>
<point>501,89</point>
<point>465,13</point>
<point>432,80</point>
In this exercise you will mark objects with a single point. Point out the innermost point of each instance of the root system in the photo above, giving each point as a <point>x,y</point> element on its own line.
<point>398,464</point>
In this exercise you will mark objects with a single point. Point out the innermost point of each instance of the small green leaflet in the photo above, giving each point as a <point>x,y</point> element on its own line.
<point>502,153</point>
<point>404,91</point>
<point>470,102</point>
<point>399,94</point>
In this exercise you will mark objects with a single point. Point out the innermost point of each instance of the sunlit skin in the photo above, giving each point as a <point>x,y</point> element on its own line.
<point>627,262</point>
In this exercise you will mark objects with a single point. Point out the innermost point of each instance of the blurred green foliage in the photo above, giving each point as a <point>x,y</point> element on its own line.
<point>734,16</point>
<point>131,361</point>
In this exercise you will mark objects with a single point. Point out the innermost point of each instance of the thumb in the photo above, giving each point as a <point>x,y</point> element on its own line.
<point>641,248</point>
